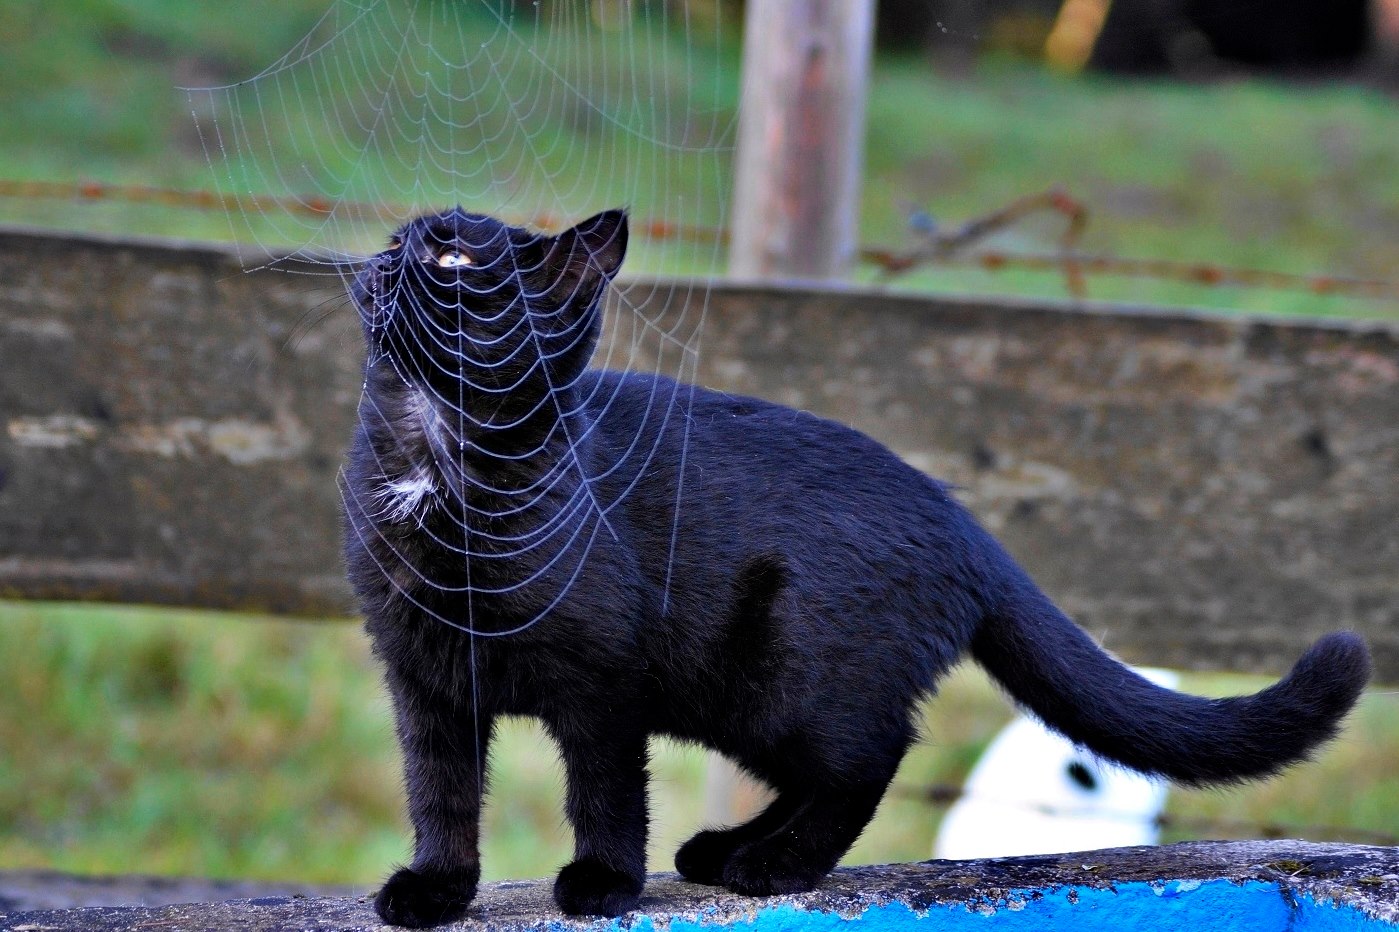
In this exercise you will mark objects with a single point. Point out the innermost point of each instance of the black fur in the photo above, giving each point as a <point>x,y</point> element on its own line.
<point>788,605</point>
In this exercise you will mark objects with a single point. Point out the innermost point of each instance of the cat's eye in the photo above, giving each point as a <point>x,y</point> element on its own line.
<point>395,245</point>
<point>452,259</point>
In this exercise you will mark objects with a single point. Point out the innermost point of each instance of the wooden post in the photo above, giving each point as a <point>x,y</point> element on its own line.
<point>800,138</point>
<point>796,201</point>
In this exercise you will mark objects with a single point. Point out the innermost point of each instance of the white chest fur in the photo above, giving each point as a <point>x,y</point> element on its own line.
<point>409,494</point>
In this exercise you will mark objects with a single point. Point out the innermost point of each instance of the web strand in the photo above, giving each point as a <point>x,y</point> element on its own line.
<point>513,111</point>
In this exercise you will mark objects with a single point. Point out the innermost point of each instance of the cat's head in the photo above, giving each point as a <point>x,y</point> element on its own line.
<point>462,302</point>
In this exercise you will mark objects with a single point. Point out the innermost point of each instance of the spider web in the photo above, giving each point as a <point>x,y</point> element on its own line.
<point>537,113</point>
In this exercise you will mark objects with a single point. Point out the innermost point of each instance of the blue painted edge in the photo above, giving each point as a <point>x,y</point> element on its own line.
<point>1168,906</point>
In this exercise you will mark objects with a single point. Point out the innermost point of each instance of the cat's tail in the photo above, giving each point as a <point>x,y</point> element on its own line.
<point>1051,667</point>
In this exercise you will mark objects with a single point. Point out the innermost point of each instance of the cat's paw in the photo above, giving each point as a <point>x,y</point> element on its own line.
<point>768,868</point>
<point>588,887</point>
<point>703,857</point>
<point>418,899</point>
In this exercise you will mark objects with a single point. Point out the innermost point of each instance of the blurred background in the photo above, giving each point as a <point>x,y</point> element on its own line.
<point>1235,156</point>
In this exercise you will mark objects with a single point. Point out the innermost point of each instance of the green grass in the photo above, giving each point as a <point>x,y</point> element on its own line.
<point>188,744</point>
<point>1249,173</point>
<point>227,746</point>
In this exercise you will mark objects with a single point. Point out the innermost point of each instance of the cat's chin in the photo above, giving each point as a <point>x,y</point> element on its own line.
<point>419,899</point>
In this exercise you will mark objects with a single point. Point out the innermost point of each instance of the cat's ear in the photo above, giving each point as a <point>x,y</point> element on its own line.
<point>581,260</point>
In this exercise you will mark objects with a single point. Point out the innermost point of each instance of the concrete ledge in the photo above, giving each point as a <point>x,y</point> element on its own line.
<point>23,891</point>
<point>1194,886</point>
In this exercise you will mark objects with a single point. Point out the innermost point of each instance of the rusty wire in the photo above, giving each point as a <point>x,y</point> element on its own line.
<point>936,246</point>
<point>1196,273</point>
<point>959,247</point>
<point>306,205</point>
<point>173,197</point>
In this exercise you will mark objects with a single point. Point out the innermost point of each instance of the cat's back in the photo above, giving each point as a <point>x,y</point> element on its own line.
<point>742,434</point>
<point>736,464</point>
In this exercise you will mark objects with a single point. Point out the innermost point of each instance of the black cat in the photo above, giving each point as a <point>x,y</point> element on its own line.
<point>622,555</point>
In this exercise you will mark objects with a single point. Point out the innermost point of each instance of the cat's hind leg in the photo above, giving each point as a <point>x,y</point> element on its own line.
<point>827,793</point>
<point>797,854</point>
<point>703,858</point>
<point>797,840</point>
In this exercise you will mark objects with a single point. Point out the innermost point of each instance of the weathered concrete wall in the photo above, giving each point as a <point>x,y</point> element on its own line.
<point>1198,492</point>
<point>1217,886</point>
<point>162,440</point>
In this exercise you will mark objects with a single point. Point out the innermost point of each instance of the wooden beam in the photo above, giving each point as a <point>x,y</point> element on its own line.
<point>1198,491</point>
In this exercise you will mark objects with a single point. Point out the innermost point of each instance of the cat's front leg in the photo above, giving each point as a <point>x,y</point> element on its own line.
<point>605,763</point>
<point>444,756</point>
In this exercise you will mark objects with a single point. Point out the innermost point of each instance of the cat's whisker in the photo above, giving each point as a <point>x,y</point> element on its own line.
<point>313,317</point>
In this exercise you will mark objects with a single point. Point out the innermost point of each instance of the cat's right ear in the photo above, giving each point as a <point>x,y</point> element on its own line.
<point>579,261</point>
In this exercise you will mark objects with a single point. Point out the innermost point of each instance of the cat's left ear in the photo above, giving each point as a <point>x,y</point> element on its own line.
<point>581,260</point>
